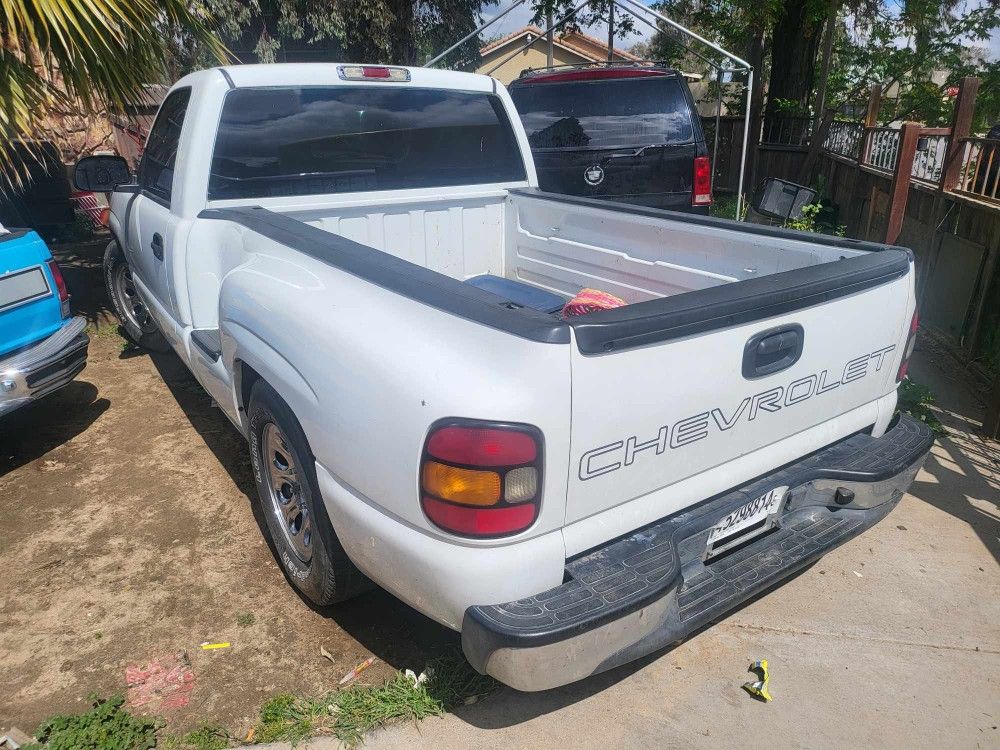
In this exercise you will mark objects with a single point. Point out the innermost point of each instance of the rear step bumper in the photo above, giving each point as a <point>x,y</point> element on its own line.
<point>653,588</point>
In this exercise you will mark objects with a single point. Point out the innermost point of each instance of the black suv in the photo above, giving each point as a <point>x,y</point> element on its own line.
<point>623,132</point>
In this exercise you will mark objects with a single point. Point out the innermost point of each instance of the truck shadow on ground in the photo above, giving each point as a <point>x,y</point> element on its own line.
<point>33,430</point>
<point>511,707</point>
<point>394,632</point>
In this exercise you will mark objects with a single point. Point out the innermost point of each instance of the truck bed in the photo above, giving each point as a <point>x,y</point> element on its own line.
<point>679,274</point>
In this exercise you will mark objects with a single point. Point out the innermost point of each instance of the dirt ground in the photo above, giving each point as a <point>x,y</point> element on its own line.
<point>127,534</point>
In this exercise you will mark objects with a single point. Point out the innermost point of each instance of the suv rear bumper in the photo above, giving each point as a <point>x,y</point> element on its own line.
<point>43,367</point>
<point>653,587</point>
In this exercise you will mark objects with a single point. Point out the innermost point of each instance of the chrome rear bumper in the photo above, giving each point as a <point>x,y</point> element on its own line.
<point>43,367</point>
<point>655,587</point>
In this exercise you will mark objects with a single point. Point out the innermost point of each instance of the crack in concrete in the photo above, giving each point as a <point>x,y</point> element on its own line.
<point>859,637</point>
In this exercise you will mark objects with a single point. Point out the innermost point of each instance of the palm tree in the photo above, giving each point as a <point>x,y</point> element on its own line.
<point>91,55</point>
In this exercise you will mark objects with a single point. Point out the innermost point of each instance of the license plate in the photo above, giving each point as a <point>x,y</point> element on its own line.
<point>746,522</point>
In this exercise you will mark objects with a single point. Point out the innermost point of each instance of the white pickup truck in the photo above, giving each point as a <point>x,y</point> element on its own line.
<point>357,265</point>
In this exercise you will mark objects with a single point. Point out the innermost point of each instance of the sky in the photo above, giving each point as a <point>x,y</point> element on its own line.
<point>522,15</point>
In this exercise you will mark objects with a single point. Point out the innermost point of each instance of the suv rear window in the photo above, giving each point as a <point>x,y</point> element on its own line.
<point>307,141</point>
<point>606,113</point>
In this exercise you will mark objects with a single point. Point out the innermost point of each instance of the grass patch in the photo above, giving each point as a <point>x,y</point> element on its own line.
<point>112,333</point>
<point>724,207</point>
<point>350,714</point>
<point>916,399</point>
<point>245,620</point>
<point>206,737</point>
<point>106,726</point>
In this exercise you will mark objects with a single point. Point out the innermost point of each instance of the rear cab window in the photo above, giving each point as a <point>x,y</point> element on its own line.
<point>287,141</point>
<point>605,113</point>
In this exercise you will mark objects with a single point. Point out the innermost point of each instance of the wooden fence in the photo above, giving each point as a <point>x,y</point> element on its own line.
<point>933,190</point>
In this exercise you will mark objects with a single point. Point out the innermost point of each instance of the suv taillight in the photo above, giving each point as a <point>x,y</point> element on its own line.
<point>702,193</point>
<point>481,479</point>
<point>60,287</point>
<point>911,342</point>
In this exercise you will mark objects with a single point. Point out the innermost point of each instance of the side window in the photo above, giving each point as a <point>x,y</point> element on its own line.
<point>156,172</point>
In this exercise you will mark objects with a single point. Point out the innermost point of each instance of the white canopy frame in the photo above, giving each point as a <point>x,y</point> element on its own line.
<point>637,9</point>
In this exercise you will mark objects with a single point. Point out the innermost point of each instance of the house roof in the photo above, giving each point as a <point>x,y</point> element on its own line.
<point>589,48</point>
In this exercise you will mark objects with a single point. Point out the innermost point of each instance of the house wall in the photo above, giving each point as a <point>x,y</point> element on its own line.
<point>533,57</point>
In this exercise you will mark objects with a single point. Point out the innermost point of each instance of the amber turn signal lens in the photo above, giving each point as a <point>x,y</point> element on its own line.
<point>465,486</point>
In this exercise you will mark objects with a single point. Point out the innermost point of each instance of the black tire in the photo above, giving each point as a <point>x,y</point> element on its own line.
<point>136,322</point>
<point>315,564</point>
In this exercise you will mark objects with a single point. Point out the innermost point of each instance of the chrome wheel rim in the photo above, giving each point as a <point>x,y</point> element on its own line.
<point>287,504</point>
<point>128,300</point>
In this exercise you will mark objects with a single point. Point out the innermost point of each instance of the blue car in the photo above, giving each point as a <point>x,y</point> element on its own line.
<point>42,347</point>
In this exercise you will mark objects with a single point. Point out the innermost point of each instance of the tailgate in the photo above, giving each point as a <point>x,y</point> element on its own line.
<point>670,388</point>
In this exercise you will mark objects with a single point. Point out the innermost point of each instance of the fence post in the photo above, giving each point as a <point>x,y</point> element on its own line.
<point>874,104</point>
<point>961,125</point>
<point>900,190</point>
<point>870,121</point>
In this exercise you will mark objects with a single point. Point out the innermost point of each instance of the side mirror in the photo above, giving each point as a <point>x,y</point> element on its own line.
<point>101,174</point>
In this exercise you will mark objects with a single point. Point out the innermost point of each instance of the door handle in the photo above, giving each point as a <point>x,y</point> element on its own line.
<point>157,245</point>
<point>772,351</point>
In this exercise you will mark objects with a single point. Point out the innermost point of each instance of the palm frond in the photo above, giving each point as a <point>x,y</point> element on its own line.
<point>97,54</point>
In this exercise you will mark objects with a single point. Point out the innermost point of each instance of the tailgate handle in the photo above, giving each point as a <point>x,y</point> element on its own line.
<point>772,351</point>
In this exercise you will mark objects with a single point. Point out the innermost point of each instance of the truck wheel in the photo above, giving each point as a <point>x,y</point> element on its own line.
<point>136,321</point>
<point>290,503</point>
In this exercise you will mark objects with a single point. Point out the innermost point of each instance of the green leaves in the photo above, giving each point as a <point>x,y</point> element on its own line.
<point>93,56</point>
<point>106,726</point>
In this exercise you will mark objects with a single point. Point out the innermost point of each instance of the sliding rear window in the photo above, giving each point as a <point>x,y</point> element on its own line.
<point>315,140</point>
<point>605,113</point>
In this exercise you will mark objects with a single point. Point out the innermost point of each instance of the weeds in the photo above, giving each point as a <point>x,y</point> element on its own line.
<point>915,399</point>
<point>206,737</point>
<point>106,726</point>
<point>112,333</point>
<point>724,207</point>
<point>245,620</point>
<point>346,714</point>
<point>350,714</point>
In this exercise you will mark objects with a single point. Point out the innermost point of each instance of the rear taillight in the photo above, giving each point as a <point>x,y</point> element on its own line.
<point>911,342</point>
<point>481,479</point>
<point>60,287</point>
<point>702,193</point>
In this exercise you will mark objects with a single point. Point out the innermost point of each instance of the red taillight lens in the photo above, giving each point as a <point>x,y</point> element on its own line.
<point>702,193</point>
<point>479,522</point>
<point>911,343</point>
<point>481,479</point>
<point>57,277</point>
<point>482,446</point>
<point>60,282</point>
